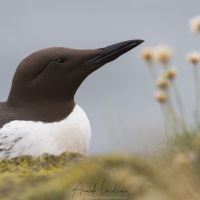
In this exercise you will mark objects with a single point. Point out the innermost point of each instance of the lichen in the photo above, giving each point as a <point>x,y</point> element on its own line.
<point>38,166</point>
<point>75,176</point>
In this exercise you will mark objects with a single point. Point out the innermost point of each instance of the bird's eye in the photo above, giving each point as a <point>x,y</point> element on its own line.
<point>60,60</point>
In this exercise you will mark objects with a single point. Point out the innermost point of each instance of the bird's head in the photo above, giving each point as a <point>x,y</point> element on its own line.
<point>54,74</point>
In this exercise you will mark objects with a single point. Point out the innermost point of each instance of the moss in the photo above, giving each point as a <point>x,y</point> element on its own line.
<point>39,166</point>
<point>56,177</point>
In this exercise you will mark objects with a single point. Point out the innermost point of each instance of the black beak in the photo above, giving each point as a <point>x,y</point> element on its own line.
<point>112,52</point>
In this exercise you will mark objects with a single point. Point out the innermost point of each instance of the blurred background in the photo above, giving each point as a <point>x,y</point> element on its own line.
<point>117,98</point>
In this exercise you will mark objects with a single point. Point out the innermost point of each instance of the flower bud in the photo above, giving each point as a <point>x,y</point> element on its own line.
<point>194,24</point>
<point>147,54</point>
<point>193,57</point>
<point>161,97</point>
<point>170,74</point>
<point>162,53</point>
<point>162,83</point>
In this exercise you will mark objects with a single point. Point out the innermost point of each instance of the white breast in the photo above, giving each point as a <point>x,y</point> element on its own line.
<point>36,138</point>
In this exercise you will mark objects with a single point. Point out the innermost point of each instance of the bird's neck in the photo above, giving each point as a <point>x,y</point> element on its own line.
<point>49,111</point>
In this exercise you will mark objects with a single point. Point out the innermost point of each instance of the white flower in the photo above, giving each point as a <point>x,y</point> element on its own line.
<point>147,54</point>
<point>193,57</point>
<point>170,73</point>
<point>194,24</point>
<point>161,97</point>
<point>162,53</point>
<point>162,82</point>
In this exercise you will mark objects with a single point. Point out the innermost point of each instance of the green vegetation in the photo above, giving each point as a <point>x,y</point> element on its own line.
<point>137,177</point>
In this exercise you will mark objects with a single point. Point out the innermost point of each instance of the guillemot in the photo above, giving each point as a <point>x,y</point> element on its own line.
<point>40,115</point>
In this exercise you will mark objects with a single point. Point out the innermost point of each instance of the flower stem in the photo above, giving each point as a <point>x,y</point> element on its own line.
<point>152,71</point>
<point>179,105</point>
<point>197,94</point>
